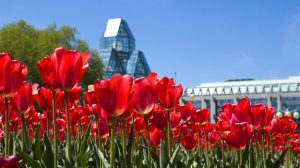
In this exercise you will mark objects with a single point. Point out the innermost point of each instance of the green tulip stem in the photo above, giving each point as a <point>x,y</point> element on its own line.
<point>207,151</point>
<point>98,137</point>
<point>288,158</point>
<point>169,134</point>
<point>256,145</point>
<point>6,127</point>
<point>124,142</point>
<point>263,148</point>
<point>112,143</point>
<point>148,136</point>
<point>48,124</point>
<point>240,153</point>
<point>55,128</point>
<point>24,137</point>
<point>68,126</point>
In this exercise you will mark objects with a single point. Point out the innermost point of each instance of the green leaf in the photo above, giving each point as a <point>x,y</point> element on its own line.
<point>163,156</point>
<point>130,146</point>
<point>245,155</point>
<point>179,137</point>
<point>191,160</point>
<point>28,160</point>
<point>48,156</point>
<point>280,160</point>
<point>100,155</point>
<point>85,159</point>
<point>11,144</point>
<point>174,155</point>
<point>84,144</point>
<point>37,153</point>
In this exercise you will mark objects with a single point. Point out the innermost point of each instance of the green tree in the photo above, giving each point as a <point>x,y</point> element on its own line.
<point>29,45</point>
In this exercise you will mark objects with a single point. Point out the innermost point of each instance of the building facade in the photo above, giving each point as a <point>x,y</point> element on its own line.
<point>118,53</point>
<point>283,95</point>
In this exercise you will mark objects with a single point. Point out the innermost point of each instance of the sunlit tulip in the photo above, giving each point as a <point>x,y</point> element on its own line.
<point>167,93</point>
<point>114,94</point>
<point>239,135</point>
<point>23,100</point>
<point>12,75</point>
<point>44,99</point>
<point>143,98</point>
<point>63,69</point>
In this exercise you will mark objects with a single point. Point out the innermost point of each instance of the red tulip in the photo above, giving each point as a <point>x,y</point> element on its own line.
<point>74,95</point>
<point>239,135</point>
<point>89,96</point>
<point>155,136</point>
<point>10,161</point>
<point>261,115</point>
<point>12,75</point>
<point>237,113</point>
<point>44,99</point>
<point>159,119</point>
<point>285,125</point>
<point>114,94</point>
<point>200,116</point>
<point>186,110</point>
<point>63,69</point>
<point>127,114</point>
<point>23,100</point>
<point>139,124</point>
<point>167,93</point>
<point>189,141</point>
<point>143,98</point>
<point>48,73</point>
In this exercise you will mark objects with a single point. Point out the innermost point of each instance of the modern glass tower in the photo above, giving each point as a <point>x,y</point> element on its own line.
<point>118,53</point>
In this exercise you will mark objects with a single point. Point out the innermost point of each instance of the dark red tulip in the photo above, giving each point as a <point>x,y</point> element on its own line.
<point>139,124</point>
<point>63,69</point>
<point>75,115</point>
<point>159,119</point>
<point>23,100</point>
<point>44,99</point>
<point>189,141</point>
<point>127,114</point>
<point>143,98</point>
<point>9,162</point>
<point>89,96</point>
<point>186,110</point>
<point>167,93</point>
<point>175,120</point>
<point>239,135</point>
<point>114,94</point>
<point>12,75</point>
<point>156,135</point>
<point>74,95</point>
<point>60,99</point>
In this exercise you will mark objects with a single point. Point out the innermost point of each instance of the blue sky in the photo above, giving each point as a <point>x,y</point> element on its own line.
<point>200,40</point>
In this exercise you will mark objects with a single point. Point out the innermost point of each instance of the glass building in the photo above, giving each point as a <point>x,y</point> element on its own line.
<point>118,53</point>
<point>282,94</point>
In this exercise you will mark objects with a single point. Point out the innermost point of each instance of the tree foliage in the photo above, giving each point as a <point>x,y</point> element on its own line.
<point>28,44</point>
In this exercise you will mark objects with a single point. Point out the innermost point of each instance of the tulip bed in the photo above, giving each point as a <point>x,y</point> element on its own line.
<point>126,122</point>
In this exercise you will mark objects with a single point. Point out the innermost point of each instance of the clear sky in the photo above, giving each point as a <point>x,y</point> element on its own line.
<point>200,40</point>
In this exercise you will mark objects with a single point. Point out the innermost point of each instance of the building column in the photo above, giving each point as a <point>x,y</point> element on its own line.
<point>279,106</point>
<point>269,101</point>
<point>212,110</point>
<point>235,100</point>
<point>203,103</point>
